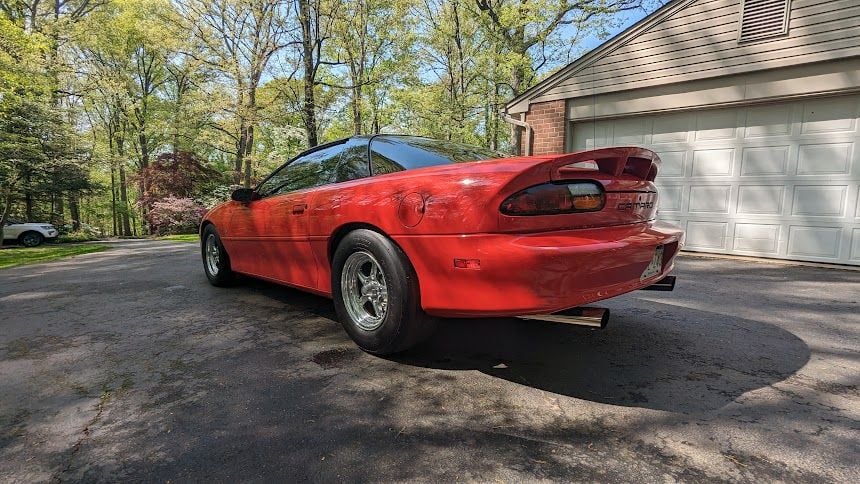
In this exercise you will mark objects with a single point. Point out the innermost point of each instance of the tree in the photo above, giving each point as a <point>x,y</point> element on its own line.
<point>370,48</point>
<point>238,38</point>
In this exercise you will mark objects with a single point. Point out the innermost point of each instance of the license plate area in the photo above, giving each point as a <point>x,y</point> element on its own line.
<point>654,266</point>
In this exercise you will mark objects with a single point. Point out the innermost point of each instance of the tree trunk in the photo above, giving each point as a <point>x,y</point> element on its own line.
<point>74,211</point>
<point>309,104</point>
<point>356,107</point>
<point>7,207</point>
<point>123,199</point>
<point>123,190</point>
<point>61,210</point>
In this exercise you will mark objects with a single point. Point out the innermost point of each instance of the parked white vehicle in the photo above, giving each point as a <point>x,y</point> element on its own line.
<point>29,234</point>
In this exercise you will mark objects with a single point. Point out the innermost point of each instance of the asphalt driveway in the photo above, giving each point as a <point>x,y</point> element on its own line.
<point>127,364</point>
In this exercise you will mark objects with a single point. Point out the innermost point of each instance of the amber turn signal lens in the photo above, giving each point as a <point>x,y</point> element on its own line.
<point>587,202</point>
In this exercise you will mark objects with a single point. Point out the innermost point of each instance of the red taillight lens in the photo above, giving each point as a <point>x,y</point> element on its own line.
<point>555,198</point>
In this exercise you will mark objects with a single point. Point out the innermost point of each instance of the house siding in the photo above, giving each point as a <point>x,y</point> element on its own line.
<point>700,41</point>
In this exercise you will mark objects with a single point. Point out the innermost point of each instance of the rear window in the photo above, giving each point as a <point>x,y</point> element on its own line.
<point>409,152</point>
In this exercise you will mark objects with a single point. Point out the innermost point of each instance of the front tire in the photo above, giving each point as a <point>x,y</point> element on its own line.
<point>216,262</point>
<point>31,239</point>
<point>376,296</point>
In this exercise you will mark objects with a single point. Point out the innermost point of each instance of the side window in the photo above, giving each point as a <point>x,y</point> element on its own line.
<point>308,171</point>
<point>383,165</point>
<point>353,163</point>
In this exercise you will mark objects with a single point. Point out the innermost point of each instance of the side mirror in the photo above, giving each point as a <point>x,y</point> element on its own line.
<point>244,195</point>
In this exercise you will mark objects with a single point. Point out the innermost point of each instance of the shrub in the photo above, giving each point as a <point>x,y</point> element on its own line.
<point>80,236</point>
<point>175,216</point>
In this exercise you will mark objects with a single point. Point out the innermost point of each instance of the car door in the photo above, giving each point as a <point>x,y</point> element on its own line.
<point>273,230</point>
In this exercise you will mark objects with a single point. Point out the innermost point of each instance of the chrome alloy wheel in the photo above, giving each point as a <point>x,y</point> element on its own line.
<point>213,255</point>
<point>365,294</point>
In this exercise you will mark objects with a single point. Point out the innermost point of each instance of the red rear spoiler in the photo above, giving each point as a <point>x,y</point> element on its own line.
<point>637,162</point>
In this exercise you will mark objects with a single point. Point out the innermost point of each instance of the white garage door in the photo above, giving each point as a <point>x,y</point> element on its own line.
<point>777,180</point>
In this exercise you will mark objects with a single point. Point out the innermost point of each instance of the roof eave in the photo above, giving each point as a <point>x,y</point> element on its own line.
<point>598,52</point>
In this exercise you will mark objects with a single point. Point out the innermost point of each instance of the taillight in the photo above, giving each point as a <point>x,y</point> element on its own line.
<point>555,198</point>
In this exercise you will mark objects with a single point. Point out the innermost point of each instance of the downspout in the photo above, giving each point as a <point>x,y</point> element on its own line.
<point>527,146</point>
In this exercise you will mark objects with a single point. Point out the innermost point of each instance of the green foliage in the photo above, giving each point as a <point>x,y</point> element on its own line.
<point>76,237</point>
<point>16,256</point>
<point>94,94</point>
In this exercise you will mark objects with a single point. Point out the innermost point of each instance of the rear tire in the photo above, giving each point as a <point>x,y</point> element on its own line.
<point>31,239</point>
<point>376,296</point>
<point>216,262</point>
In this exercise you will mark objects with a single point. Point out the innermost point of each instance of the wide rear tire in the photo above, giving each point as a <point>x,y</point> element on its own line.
<point>376,295</point>
<point>216,262</point>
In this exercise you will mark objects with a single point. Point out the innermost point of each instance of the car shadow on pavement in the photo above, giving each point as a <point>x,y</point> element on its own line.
<point>647,357</point>
<point>651,355</point>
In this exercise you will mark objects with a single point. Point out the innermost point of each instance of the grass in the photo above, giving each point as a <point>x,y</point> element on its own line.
<point>182,238</point>
<point>16,256</point>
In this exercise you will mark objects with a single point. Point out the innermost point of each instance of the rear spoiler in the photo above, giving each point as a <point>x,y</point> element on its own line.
<point>637,162</point>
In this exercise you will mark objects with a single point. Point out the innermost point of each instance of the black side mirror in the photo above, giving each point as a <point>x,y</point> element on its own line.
<point>244,195</point>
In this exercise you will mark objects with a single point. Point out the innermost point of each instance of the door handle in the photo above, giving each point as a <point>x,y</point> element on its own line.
<point>300,208</point>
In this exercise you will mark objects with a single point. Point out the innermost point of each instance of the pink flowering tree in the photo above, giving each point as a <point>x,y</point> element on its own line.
<point>173,215</point>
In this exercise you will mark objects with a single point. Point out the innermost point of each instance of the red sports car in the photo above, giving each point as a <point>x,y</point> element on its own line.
<point>401,229</point>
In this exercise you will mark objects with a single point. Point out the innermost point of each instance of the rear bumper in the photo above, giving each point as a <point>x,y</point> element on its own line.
<point>523,274</point>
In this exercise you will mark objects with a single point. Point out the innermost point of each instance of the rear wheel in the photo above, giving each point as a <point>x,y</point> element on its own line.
<point>216,262</point>
<point>31,239</point>
<point>376,294</point>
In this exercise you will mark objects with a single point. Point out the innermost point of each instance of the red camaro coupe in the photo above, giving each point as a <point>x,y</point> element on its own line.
<point>401,229</point>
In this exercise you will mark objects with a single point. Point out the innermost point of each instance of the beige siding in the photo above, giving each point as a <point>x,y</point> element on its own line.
<point>699,41</point>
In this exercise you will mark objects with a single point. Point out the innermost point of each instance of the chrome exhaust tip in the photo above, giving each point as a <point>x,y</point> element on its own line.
<point>596,318</point>
<point>665,284</point>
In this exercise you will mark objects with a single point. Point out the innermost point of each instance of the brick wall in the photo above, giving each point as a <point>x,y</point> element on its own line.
<point>547,122</point>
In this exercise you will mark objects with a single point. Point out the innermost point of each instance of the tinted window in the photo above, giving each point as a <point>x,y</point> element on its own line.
<point>416,152</point>
<point>306,171</point>
<point>353,161</point>
<point>382,165</point>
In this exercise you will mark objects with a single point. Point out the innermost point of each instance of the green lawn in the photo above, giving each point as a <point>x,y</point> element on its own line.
<point>15,256</point>
<point>182,238</point>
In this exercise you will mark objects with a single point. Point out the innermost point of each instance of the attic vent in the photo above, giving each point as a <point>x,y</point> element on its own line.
<point>763,18</point>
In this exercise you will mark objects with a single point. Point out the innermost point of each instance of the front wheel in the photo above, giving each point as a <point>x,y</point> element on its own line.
<point>216,262</point>
<point>31,239</point>
<point>376,294</point>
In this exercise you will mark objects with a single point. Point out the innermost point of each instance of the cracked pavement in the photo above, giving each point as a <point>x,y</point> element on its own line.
<point>128,365</point>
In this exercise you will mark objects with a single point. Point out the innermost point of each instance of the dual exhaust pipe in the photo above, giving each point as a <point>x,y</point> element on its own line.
<point>596,318</point>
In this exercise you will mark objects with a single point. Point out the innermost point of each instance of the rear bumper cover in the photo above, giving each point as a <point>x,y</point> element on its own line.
<point>522,274</point>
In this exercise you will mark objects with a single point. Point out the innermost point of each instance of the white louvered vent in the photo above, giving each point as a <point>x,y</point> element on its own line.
<point>763,18</point>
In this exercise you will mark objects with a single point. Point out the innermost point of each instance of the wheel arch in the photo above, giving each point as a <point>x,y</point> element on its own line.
<point>342,231</point>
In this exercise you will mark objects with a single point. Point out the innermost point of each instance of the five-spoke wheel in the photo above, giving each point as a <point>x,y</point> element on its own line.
<point>376,295</point>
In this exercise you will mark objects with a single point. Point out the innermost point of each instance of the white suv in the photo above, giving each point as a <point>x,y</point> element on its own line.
<point>29,234</point>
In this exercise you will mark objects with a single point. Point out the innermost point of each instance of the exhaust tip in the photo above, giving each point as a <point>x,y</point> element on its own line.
<point>596,318</point>
<point>665,284</point>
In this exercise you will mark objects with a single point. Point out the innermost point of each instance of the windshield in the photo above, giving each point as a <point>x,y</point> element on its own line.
<point>410,152</point>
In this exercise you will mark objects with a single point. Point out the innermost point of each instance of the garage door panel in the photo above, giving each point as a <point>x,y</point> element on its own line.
<point>768,121</point>
<point>631,132</point>
<point>760,199</point>
<point>824,159</point>
<point>855,245</point>
<point>819,242</point>
<point>764,161</point>
<point>674,164</point>
<point>713,162</point>
<point>777,180</point>
<point>829,115</point>
<point>707,235</point>
<point>673,128</point>
<point>819,200</point>
<point>716,125</point>
<point>671,198</point>
<point>710,199</point>
<point>756,238</point>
